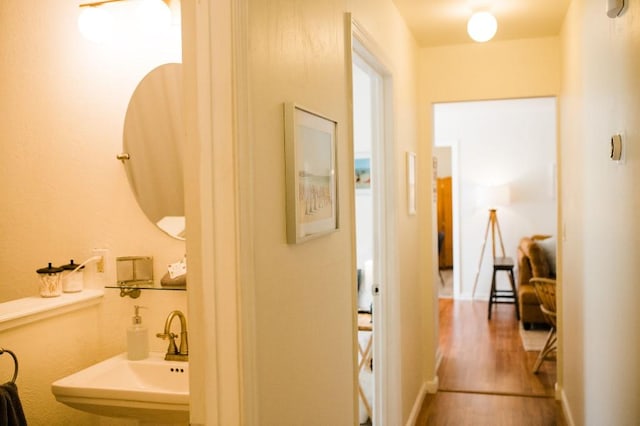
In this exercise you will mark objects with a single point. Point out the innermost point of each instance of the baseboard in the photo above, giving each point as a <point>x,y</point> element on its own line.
<point>464,296</point>
<point>432,385</point>
<point>438,359</point>
<point>566,410</point>
<point>482,297</point>
<point>417,405</point>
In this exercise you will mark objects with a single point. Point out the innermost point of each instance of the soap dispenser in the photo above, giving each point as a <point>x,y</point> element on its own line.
<point>137,337</point>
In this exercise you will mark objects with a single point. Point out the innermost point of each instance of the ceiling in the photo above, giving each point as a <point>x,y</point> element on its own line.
<point>443,22</point>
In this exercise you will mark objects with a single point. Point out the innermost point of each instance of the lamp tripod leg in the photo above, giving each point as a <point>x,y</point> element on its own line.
<point>484,244</point>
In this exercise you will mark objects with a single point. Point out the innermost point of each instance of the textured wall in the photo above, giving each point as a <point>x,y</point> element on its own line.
<point>600,319</point>
<point>304,294</point>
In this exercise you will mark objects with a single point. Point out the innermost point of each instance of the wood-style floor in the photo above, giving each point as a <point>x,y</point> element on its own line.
<point>485,374</point>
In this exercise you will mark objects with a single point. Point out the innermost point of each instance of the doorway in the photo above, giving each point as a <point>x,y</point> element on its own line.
<point>373,227</point>
<point>494,144</point>
<point>508,143</point>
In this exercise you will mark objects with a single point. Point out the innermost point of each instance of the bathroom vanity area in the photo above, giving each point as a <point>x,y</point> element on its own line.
<point>65,102</point>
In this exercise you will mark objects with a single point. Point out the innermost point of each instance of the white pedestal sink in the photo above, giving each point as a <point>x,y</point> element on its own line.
<point>150,390</point>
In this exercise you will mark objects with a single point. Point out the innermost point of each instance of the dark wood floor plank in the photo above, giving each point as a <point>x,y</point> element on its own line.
<point>485,374</point>
<point>461,409</point>
<point>487,355</point>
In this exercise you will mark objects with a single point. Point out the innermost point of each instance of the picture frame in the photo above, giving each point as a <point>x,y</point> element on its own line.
<point>310,174</point>
<point>412,208</point>
<point>362,167</point>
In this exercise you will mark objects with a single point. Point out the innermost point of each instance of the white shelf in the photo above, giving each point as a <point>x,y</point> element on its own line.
<point>30,309</point>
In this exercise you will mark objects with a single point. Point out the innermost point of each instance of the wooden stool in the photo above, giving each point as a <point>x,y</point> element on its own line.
<point>503,296</point>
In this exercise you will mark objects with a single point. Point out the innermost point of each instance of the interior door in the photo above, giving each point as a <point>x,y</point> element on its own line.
<point>445,221</point>
<point>374,216</point>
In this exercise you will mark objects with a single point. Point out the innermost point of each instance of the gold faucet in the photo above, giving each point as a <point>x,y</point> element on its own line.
<point>173,353</point>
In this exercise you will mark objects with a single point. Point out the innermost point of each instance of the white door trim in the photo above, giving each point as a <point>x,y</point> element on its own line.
<point>211,201</point>
<point>385,354</point>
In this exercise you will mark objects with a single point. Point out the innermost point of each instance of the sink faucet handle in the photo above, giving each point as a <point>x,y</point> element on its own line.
<point>173,349</point>
<point>165,336</point>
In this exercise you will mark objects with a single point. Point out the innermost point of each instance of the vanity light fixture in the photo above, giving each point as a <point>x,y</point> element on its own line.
<point>96,23</point>
<point>100,3</point>
<point>482,26</point>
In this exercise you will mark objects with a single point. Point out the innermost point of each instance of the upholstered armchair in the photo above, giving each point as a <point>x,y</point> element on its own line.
<point>536,258</point>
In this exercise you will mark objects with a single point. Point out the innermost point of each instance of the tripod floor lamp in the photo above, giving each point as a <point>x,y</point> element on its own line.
<point>495,195</point>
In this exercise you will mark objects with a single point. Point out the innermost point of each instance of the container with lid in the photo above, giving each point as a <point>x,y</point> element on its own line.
<point>50,285</point>
<point>72,277</point>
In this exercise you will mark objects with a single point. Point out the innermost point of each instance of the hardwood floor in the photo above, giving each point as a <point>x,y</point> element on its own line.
<point>485,374</point>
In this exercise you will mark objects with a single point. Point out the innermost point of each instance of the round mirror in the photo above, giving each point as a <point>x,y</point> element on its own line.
<point>153,148</point>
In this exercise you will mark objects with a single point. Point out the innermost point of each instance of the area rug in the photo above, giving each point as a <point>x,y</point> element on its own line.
<point>533,340</point>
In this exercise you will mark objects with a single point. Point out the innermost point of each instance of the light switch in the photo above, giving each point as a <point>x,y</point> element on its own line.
<point>616,148</point>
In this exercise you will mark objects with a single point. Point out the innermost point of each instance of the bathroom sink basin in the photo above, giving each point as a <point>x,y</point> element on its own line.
<point>150,390</point>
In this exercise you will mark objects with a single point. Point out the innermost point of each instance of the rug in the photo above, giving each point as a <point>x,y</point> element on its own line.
<point>533,340</point>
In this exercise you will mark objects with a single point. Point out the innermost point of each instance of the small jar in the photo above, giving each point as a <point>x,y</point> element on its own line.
<point>50,285</point>
<point>72,280</point>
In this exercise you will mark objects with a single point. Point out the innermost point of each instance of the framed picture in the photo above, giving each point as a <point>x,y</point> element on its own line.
<point>363,173</point>
<point>311,179</point>
<point>411,183</point>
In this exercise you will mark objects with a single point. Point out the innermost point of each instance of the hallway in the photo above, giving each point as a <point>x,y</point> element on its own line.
<point>485,374</point>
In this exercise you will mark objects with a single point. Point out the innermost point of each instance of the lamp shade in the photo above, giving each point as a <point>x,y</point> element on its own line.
<point>494,196</point>
<point>482,26</point>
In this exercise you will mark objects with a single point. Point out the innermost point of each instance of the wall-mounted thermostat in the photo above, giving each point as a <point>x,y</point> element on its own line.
<point>616,147</point>
<point>614,8</point>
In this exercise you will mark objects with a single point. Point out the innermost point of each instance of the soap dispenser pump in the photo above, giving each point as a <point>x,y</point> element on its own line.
<point>137,337</point>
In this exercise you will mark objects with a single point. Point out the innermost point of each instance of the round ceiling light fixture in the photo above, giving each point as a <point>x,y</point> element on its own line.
<point>95,24</point>
<point>482,26</point>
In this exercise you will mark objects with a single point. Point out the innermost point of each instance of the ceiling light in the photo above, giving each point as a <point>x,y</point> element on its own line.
<point>154,16</point>
<point>482,26</point>
<point>95,24</point>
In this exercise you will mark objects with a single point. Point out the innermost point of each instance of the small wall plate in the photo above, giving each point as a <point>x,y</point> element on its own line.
<point>616,148</point>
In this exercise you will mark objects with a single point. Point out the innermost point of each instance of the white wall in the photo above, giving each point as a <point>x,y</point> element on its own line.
<point>443,154</point>
<point>63,105</point>
<point>510,142</point>
<point>305,294</point>
<point>600,317</point>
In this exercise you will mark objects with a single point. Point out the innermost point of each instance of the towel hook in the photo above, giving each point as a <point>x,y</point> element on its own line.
<point>15,361</point>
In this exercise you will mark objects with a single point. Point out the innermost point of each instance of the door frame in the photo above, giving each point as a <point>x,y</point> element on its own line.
<point>386,405</point>
<point>455,207</point>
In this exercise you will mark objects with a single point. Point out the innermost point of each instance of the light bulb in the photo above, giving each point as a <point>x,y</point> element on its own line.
<point>482,26</point>
<point>95,24</point>
<point>154,17</point>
